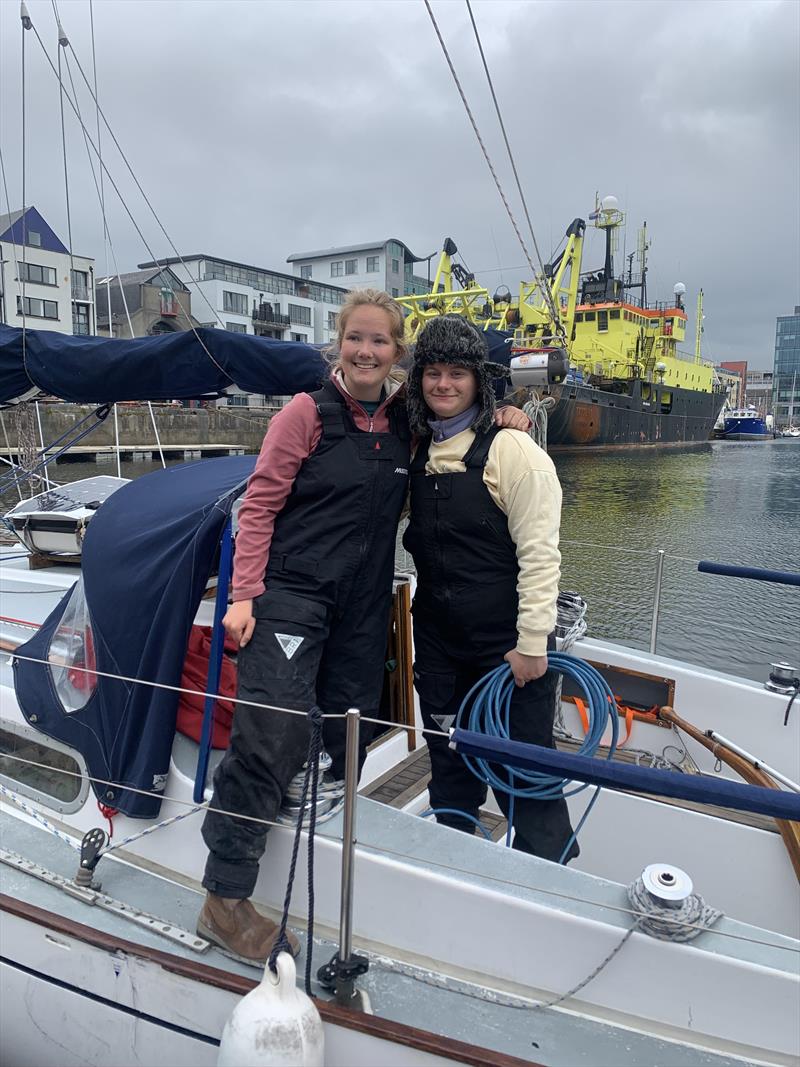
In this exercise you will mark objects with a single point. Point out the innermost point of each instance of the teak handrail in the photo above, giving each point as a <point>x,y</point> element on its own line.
<point>789,831</point>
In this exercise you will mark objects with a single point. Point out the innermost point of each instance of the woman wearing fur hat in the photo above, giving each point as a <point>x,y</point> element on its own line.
<point>483,532</point>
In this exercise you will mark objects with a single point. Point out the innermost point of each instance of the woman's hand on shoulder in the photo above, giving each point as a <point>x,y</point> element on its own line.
<point>525,668</point>
<point>510,418</point>
<point>239,622</point>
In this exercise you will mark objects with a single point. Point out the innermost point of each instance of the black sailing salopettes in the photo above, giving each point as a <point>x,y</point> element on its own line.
<point>321,627</point>
<point>465,620</point>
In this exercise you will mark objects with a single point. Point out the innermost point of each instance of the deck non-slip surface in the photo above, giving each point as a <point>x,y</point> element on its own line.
<point>545,1036</point>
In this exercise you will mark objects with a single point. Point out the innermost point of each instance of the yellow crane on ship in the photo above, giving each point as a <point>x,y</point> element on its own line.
<point>612,336</point>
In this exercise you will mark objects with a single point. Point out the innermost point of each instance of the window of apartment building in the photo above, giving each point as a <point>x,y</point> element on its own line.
<point>80,284</point>
<point>299,337</point>
<point>373,264</point>
<point>235,302</point>
<point>395,292</point>
<point>34,272</point>
<point>34,238</point>
<point>305,270</point>
<point>337,269</point>
<point>80,320</point>
<point>395,266</point>
<point>235,327</point>
<point>351,266</point>
<point>39,309</point>
<point>300,316</point>
<point>332,320</point>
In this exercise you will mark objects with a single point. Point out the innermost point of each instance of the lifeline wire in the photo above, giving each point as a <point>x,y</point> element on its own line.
<point>218,696</point>
<point>384,850</point>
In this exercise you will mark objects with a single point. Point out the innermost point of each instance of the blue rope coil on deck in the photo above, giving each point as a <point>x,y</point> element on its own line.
<point>487,709</point>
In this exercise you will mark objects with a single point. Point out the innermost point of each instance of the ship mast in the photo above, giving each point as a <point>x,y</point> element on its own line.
<point>602,286</point>
<point>698,333</point>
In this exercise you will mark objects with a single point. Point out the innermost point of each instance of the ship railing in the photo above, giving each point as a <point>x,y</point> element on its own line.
<point>662,604</point>
<point>673,596</point>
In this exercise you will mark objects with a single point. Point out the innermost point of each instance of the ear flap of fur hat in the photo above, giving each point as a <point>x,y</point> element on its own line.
<point>451,339</point>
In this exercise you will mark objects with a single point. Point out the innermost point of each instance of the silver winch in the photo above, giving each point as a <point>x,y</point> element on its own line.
<point>669,885</point>
<point>783,678</point>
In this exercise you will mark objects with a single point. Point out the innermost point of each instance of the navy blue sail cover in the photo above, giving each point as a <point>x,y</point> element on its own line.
<point>147,556</point>
<point>175,366</point>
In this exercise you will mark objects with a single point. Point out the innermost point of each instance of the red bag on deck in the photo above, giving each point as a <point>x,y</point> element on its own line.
<point>195,676</point>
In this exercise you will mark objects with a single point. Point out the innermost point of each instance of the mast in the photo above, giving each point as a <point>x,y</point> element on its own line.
<point>698,332</point>
<point>607,216</point>
<point>641,254</point>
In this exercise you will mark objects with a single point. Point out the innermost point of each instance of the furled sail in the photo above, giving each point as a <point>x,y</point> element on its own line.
<point>176,366</point>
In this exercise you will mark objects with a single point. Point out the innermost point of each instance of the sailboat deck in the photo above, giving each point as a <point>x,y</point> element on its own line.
<point>451,1009</point>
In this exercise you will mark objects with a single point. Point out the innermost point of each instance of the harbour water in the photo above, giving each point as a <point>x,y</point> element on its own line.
<point>735,502</point>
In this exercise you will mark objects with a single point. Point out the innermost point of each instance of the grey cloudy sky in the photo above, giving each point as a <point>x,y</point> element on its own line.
<point>264,128</point>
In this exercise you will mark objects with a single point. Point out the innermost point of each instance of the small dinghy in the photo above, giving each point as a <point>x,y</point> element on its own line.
<point>55,521</point>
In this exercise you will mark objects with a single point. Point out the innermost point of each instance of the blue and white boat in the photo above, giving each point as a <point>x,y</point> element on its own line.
<point>744,424</point>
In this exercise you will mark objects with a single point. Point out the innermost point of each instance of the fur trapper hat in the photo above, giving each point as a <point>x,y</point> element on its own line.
<point>452,339</point>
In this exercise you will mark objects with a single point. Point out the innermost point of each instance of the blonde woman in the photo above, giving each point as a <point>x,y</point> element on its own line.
<point>312,586</point>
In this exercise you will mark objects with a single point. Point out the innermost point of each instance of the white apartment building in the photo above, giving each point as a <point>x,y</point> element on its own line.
<point>387,264</point>
<point>245,299</point>
<point>40,283</point>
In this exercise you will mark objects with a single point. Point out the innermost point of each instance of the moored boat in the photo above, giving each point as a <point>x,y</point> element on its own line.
<point>629,381</point>
<point>496,983</point>
<point>744,424</point>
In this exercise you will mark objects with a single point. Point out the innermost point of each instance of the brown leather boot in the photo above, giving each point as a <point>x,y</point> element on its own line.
<point>236,927</point>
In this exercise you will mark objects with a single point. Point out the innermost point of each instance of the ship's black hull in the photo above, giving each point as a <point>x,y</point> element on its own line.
<point>588,416</point>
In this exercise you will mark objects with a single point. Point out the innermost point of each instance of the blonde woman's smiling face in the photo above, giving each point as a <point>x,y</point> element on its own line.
<point>367,352</point>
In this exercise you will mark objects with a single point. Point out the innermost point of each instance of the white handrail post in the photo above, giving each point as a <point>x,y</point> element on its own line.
<point>657,599</point>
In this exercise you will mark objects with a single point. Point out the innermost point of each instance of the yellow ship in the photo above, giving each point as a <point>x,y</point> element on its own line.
<point>629,381</point>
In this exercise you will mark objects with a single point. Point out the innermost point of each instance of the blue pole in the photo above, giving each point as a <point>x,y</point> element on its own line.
<point>214,660</point>
<point>707,566</point>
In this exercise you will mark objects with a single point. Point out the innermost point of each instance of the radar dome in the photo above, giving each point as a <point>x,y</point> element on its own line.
<point>609,203</point>
<point>679,289</point>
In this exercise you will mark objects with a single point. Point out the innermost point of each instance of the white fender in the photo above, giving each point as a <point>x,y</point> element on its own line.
<point>275,1025</point>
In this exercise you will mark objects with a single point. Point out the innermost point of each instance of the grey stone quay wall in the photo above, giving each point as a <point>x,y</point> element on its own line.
<point>178,427</point>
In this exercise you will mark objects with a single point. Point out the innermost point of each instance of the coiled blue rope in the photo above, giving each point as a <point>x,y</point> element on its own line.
<point>487,709</point>
<point>461,814</point>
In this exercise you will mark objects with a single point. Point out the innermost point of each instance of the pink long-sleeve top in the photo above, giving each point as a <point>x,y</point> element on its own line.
<point>292,437</point>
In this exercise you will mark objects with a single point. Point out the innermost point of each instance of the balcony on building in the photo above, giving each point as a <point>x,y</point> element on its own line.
<point>267,322</point>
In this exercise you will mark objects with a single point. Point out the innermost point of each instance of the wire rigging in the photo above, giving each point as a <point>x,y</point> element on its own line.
<point>62,44</point>
<point>114,185</point>
<point>542,285</point>
<point>486,156</point>
<point>146,199</point>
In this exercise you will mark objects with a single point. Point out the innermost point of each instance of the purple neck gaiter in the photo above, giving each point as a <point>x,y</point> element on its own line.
<point>444,429</point>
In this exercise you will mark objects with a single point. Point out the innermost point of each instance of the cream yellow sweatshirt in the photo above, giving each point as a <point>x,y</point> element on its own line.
<point>523,483</point>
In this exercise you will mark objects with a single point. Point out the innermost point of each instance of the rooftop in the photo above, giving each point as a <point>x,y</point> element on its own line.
<point>342,250</point>
<point>195,257</point>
